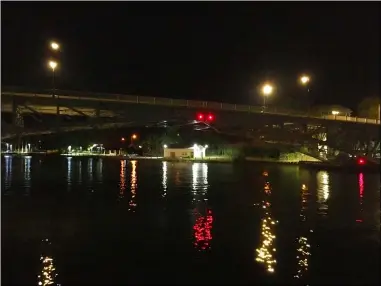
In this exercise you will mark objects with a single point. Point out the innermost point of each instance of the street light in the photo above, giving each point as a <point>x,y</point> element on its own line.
<point>133,137</point>
<point>53,65</point>
<point>55,46</point>
<point>267,90</point>
<point>335,112</point>
<point>304,80</point>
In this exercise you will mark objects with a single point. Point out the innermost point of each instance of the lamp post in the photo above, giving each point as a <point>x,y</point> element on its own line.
<point>267,90</point>
<point>53,65</point>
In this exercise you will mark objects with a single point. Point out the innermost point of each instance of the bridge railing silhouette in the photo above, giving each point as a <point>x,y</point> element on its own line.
<point>125,98</point>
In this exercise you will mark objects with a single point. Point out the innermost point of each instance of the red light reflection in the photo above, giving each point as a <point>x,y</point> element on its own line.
<point>361,195</point>
<point>203,231</point>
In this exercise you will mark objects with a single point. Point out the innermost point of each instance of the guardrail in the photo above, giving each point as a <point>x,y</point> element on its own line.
<point>123,98</point>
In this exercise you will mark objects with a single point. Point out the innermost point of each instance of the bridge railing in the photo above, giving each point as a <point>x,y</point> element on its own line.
<point>185,103</point>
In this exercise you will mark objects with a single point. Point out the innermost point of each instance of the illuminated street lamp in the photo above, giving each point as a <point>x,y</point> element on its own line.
<point>165,146</point>
<point>55,46</point>
<point>267,90</point>
<point>335,112</point>
<point>133,137</point>
<point>53,65</point>
<point>304,80</point>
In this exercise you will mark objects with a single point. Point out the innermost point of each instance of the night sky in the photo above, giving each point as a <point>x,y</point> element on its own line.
<point>219,51</point>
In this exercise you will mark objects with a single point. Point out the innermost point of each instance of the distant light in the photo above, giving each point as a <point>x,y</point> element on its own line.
<point>53,65</point>
<point>267,89</point>
<point>134,136</point>
<point>361,161</point>
<point>206,146</point>
<point>210,117</point>
<point>140,146</point>
<point>54,46</point>
<point>123,139</point>
<point>69,148</point>
<point>304,79</point>
<point>165,146</point>
<point>335,112</point>
<point>200,116</point>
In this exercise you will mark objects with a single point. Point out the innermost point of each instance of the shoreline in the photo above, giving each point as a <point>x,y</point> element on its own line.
<point>303,164</point>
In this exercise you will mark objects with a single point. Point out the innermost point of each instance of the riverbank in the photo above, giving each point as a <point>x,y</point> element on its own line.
<point>310,163</point>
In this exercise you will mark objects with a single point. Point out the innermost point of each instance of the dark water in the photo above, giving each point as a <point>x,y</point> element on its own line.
<point>103,221</point>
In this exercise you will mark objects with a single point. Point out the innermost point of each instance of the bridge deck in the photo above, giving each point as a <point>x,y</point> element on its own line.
<point>141,100</point>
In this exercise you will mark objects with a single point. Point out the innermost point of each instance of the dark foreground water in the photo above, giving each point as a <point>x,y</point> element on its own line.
<point>74,221</point>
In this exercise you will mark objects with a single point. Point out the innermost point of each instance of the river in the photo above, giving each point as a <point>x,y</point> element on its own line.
<point>73,221</point>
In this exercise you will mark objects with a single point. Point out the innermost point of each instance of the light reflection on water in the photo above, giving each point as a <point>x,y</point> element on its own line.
<point>203,215</point>
<point>48,274</point>
<point>323,192</point>
<point>69,171</point>
<point>303,247</point>
<point>361,197</point>
<point>134,186</point>
<point>194,182</point>
<point>122,175</point>
<point>266,250</point>
<point>8,172</point>
<point>27,176</point>
<point>164,178</point>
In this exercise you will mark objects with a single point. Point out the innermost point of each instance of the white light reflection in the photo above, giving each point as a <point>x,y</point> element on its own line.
<point>8,172</point>
<point>361,197</point>
<point>199,179</point>
<point>100,169</point>
<point>323,190</point>
<point>27,177</point>
<point>90,169</point>
<point>134,184</point>
<point>122,183</point>
<point>79,172</point>
<point>69,181</point>
<point>164,179</point>
<point>266,250</point>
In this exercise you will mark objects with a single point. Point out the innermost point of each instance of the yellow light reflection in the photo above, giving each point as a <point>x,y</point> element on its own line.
<point>303,253</point>
<point>303,247</point>
<point>266,251</point>
<point>361,197</point>
<point>202,230</point>
<point>134,180</point>
<point>165,178</point>
<point>323,190</point>
<point>48,273</point>
<point>8,172</point>
<point>122,183</point>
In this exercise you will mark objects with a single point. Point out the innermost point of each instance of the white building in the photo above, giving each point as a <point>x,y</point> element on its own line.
<point>194,152</point>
